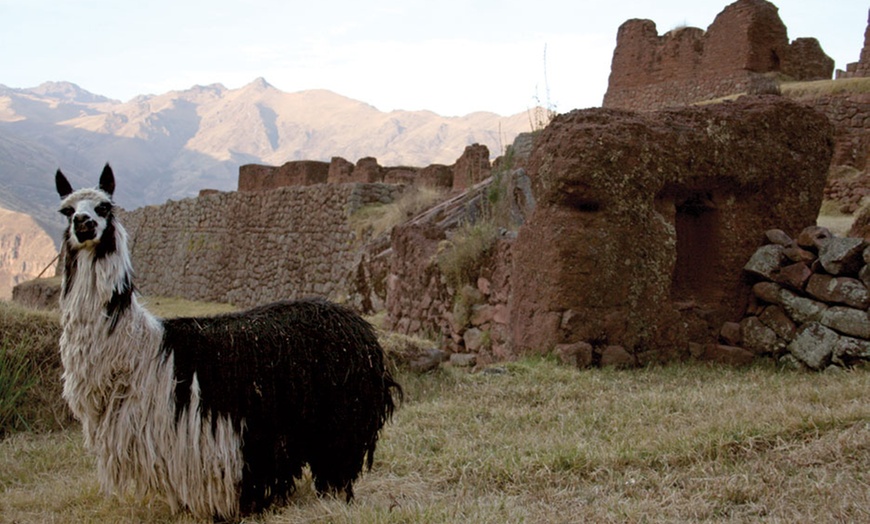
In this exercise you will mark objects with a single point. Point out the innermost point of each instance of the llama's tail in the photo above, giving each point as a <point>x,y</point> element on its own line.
<point>394,395</point>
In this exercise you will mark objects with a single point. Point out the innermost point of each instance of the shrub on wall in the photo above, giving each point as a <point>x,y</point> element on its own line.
<point>460,258</point>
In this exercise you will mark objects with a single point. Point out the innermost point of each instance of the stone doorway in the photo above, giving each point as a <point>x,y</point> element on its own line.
<point>696,221</point>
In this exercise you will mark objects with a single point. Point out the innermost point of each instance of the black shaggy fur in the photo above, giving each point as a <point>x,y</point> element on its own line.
<point>305,382</point>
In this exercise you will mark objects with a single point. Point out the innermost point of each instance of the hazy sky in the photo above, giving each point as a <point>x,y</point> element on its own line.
<point>450,56</point>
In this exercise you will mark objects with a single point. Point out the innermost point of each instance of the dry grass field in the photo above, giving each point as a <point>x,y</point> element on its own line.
<point>534,441</point>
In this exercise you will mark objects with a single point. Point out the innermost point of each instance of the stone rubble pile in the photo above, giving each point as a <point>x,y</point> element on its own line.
<point>810,301</point>
<point>848,192</point>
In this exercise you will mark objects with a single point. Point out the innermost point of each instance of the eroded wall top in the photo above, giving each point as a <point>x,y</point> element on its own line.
<point>746,41</point>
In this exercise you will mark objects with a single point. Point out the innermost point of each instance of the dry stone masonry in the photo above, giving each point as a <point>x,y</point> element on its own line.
<point>252,247</point>
<point>810,300</point>
<point>850,114</point>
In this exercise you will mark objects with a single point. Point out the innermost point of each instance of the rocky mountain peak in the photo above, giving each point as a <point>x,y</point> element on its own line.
<point>68,92</point>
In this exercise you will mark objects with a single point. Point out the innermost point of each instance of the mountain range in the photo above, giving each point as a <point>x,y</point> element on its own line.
<point>172,145</point>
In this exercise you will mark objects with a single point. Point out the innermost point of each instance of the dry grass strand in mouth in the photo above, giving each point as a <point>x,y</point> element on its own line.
<point>538,442</point>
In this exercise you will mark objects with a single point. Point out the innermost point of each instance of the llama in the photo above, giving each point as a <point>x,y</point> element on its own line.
<point>217,415</point>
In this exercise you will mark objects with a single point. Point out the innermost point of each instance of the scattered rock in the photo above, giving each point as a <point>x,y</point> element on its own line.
<point>779,237</point>
<point>730,333</point>
<point>794,275</point>
<point>757,337</point>
<point>814,237</point>
<point>847,320</point>
<point>814,345</point>
<point>766,262</point>
<point>578,354</point>
<point>842,256</point>
<point>475,339</point>
<point>463,360</point>
<point>841,290</point>
<point>618,357</point>
<point>427,361</point>
<point>776,319</point>
<point>797,254</point>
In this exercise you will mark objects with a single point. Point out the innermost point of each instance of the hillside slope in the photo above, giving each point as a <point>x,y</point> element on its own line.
<point>169,146</point>
<point>25,251</point>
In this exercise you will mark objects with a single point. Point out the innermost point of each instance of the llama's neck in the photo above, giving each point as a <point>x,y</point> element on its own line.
<point>97,288</point>
<point>108,339</point>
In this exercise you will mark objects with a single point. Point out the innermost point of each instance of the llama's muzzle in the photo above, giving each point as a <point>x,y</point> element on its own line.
<point>85,228</point>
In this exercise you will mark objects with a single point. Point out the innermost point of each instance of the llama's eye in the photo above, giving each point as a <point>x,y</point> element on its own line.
<point>67,211</point>
<point>103,209</point>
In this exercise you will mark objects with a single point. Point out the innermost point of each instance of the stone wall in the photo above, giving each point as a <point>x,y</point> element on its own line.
<point>470,168</point>
<point>746,41</point>
<point>850,114</point>
<point>255,177</point>
<point>810,301</point>
<point>252,247</point>
<point>469,317</point>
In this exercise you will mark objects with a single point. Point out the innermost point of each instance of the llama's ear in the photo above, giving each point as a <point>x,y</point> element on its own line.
<point>62,184</point>
<point>107,180</point>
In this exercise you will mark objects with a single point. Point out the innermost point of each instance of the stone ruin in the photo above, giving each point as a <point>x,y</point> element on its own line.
<point>628,233</point>
<point>745,50</point>
<point>472,167</point>
<point>632,232</point>
<point>809,303</point>
<point>738,53</point>
<point>644,219</point>
<point>861,68</point>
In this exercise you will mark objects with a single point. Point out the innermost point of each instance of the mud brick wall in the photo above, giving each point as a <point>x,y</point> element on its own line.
<point>746,41</point>
<point>248,248</point>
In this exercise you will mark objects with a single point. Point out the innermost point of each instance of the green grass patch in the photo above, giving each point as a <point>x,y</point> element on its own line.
<point>17,376</point>
<point>461,256</point>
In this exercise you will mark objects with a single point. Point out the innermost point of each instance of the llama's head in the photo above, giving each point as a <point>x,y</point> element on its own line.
<point>89,213</point>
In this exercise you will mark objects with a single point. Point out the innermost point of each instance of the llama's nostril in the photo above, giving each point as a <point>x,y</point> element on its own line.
<point>83,222</point>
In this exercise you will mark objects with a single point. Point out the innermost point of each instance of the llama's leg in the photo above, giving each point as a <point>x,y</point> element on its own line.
<point>325,487</point>
<point>271,470</point>
<point>336,468</point>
